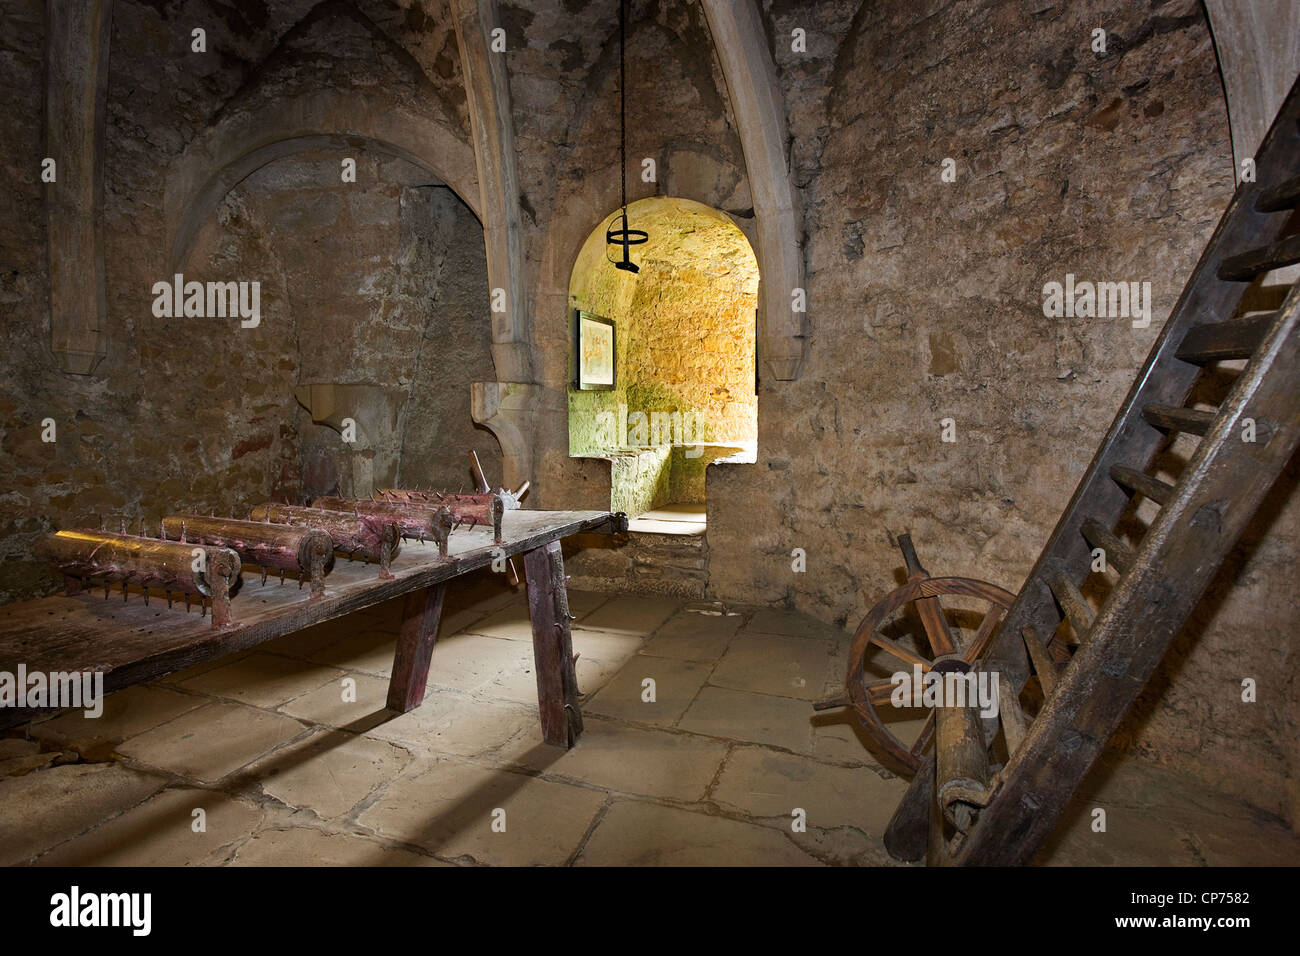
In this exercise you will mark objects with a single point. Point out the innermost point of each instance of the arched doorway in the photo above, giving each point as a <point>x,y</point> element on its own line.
<point>678,392</point>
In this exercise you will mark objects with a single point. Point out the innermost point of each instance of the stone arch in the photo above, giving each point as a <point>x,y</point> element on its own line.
<point>244,141</point>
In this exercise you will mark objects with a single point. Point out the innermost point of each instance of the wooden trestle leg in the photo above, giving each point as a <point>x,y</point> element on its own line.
<point>420,616</point>
<point>557,677</point>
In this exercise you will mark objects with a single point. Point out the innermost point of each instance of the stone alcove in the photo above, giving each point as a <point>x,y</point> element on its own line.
<point>685,385</point>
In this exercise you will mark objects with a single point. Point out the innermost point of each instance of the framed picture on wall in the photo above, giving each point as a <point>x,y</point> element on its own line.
<point>593,339</point>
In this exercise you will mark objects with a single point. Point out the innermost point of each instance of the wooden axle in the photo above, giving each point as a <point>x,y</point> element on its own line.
<point>279,546</point>
<point>368,537</point>
<point>147,562</point>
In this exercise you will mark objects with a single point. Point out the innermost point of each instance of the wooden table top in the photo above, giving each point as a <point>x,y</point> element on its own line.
<point>132,643</point>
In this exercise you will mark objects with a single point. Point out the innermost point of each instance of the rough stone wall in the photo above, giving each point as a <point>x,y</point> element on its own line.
<point>384,282</point>
<point>691,351</point>
<point>199,412</point>
<point>925,301</point>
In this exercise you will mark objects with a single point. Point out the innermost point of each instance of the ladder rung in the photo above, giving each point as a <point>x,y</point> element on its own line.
<point>1174,418</point>
<point>1155,489</point>
<point>1234,339</point>
<point>1072,602</point>
<point>1013,717</point>
<point>1245,266</point>
<point>1285,195</point>
<point>1117,552</point>
<point>1044,666</point>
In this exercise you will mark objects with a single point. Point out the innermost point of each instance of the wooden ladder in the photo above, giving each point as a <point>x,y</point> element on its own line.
<point>1163,573</point>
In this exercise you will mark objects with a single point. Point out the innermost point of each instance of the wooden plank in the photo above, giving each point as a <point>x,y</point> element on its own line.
<point>1220,341</point>
<point>1175,418</point>
<point>1255,262</point>
<point>557,678</point>
<point>131,643</point>
<point>1134,480</point>
<point>420,616</point>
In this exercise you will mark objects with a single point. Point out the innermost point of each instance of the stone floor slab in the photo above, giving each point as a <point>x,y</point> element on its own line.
<point>328,773</point>
<point>781,666</point>
<point>341,704</point>
<point>676,685</point>
<point>460,724</point>
<point>307,846</point>
<point>213,741</point>
<point>614,756</point>
<point>263,680</point>
<point>510,623</point>
<point>631,615</point>
<point>765,783</point>
<point>792,624</point>
<point>42,809</point>
<point>694,636</point>
<point>448,808</point>
<point>758,718</point>
<point>632,833</point>
<point>370,651</point>
<point>127,713</point>
<point>164,831</point>
<point>467,662</point>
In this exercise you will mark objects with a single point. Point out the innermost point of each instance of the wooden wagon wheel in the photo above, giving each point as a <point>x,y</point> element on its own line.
<point>866,696</point>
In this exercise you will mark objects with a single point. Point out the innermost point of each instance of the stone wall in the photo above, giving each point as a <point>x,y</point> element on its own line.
<point>382,280</point>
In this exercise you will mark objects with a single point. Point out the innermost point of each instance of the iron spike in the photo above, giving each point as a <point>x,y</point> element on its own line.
<point>146,597</point>
<point>169,599</point>
<point>124,590</point>
<point>264,577</point>
<point>187,602</point>
<point>282,577</point>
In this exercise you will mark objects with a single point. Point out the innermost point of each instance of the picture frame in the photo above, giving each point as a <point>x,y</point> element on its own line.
<point>594,352</point>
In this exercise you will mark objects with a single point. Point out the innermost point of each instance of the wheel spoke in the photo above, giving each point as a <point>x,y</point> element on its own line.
<point>977,646</point>
<point>899,651</point>
<point>936,626</point>
<point>881,693</point>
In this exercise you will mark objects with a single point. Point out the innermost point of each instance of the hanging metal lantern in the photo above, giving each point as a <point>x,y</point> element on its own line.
<point>619,234</point>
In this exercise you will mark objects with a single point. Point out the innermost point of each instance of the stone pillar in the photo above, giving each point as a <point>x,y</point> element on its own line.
<point>76,70</point>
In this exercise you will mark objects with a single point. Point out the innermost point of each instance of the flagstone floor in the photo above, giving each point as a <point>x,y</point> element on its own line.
<point>286,755</point>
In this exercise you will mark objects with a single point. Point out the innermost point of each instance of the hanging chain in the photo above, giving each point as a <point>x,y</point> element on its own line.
<point>622,102</point>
